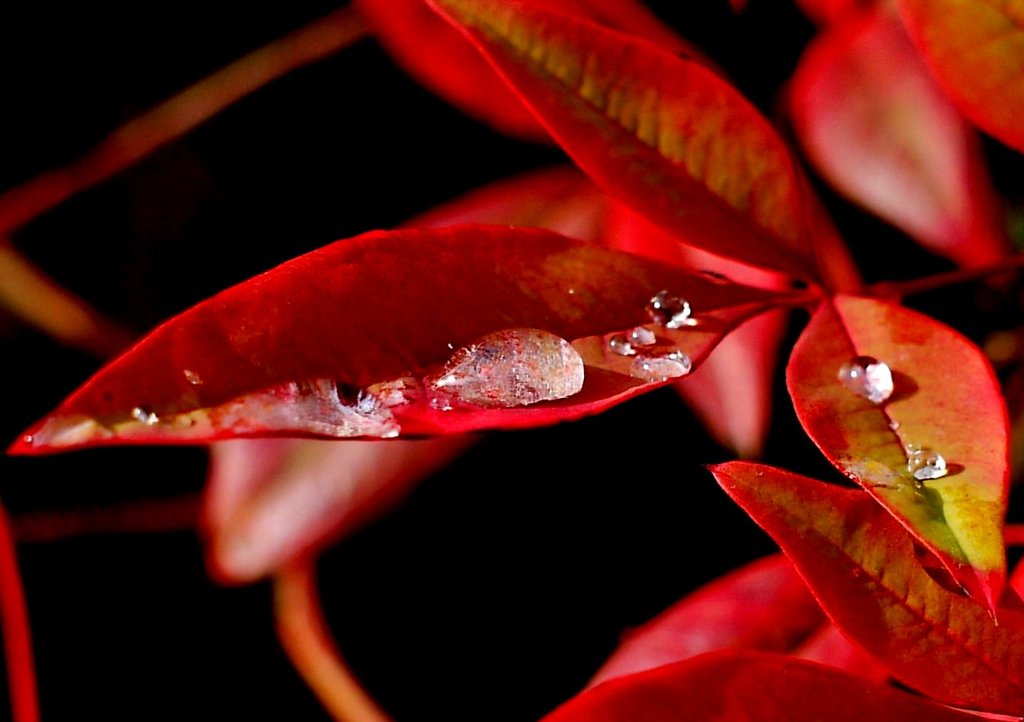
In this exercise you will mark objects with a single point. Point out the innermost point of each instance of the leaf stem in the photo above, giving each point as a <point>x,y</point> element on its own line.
<point>304,636</point>
<point>941,280</point>
<point>17,637</point>
<point>133,517</point>
<point>180,114</point>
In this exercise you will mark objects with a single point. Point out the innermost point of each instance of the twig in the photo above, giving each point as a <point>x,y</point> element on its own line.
<point>17,637</point>
<point>304,636</point>
<point>900,289</point>
<point>146,516</point>
<point>179,115</point>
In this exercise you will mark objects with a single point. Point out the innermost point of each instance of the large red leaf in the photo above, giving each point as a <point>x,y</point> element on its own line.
<point>270,501</point>
<point>875,124</point>
<point>664,134</point>
<point>945,398</point>
<point>438,57</point>
<point>269,356</point>
<point>976,50</point>
<point>765,605</point>
<point>829,646</point>
<point>748,686</point>
<point>862,567</point>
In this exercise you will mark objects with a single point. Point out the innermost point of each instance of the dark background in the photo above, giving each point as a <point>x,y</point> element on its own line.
<point>502,583</point>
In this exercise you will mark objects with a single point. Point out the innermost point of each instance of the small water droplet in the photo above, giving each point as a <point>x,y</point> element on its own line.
<point>144,416</point>
<point>660,366</point>
<point>619,344</point>
<point>642,336</point>
<point>572,291</point>
<point>513,367</point>
<point>894,425</point>
<point>925,463</point>
<point>192,377</point>
<point>28,439</point>
<point>868,377</point>
<point>670,311</point>
<point>396,392</point>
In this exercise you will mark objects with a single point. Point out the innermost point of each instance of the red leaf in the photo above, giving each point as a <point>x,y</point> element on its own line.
<point>945,397</point>
<point>268,356</point>
<point>439,58</point>
<point>739,686</point>
<point>828,11</point>
<point>862,567</point>
<point>829,646</point>
<point>764,605</point>
<point>976,50</point>
<point>270,501</point>
<point>665,135</point>
<point>873,121</point>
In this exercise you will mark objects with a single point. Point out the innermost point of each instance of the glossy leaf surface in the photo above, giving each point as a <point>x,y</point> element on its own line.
<point>765,605</point>
<point>739,686</point>
<point>438,57</point>
<point>876,125</point>
<point>665,135</point>
<point>862,567</point>
<point>976,50</point>
<point>270,501</point>
<point>277,354</point>
<point>945,397</point>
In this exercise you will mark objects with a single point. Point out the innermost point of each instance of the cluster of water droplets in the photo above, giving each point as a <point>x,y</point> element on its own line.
<point>653,362</point>
<point>868,377</point>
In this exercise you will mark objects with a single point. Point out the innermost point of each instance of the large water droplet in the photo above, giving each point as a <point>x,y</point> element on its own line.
<point>925,463</point>
<point>513,367</point>
<point>670,311</point>
<point>868,377</point>
<point>660,366</point>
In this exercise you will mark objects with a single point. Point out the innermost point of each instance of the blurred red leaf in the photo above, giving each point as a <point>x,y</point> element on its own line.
<point>944,397</point>
<point>872,120</point>
<point>828,646</point>
<point>440,58</point>
<point>828,11</point>
<point>270,355</point>
<point>976,50</point>
<point>744,686</point>
<point>269,501</point>
<point>861,565</point>
<point>665,135</point>
<point>764,605</point>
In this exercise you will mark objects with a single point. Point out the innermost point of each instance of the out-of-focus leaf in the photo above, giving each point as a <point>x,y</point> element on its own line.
<point>378,313</point>
<point>828,646</point>
<point>764,605</point>
<point>945,397</point>
<point>744,686</point>
<point>439,58</point>
<point>269,501</point>
<point>976,50</point>
<point>862,567</point>
<point>875,124</point>
<point>665,135</point>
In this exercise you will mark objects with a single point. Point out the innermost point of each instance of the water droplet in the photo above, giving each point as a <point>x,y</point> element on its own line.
<point>572,291</point>
<point>513,367</point>
<point>28,439</point>
<point>867,377</point>
<point>396,392</point>
<point>660,366</point>
<point>144,416</point>
<point>642,336</point>
<point>894,425</point>
<point>924,463</point>
<point>670,311</point>
<point>192,377</point>
<point>619,344</point>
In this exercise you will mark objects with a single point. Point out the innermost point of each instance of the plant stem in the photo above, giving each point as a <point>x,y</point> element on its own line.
<point>179,115</point>
<point>146,516</point>
<point>941,280</point>
<point>304,636</point>
<point>21,672</point>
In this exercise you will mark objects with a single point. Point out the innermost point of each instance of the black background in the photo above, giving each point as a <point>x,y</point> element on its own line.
<point>503,582</point>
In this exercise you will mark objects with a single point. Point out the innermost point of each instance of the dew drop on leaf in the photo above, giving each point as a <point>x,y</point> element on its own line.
<point>925,463</point>
<point>868,377</point>
<point>642,336</point>
<point>670,311</point>
<point>513,367</point>
<point>192,377</point>
<point>143,416</point>
<point>660,366</point>
<point>618,344</point>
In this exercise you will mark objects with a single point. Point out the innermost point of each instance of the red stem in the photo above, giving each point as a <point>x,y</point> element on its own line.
<point>17,638</point>
<point>941,280</point>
